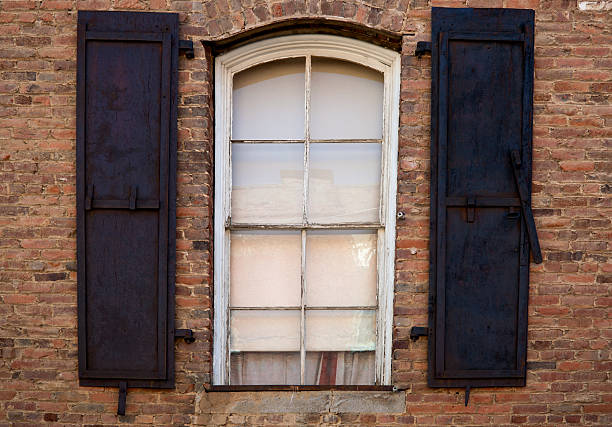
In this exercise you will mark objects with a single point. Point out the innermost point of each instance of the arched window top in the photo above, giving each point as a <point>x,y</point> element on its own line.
<point>323,45</point>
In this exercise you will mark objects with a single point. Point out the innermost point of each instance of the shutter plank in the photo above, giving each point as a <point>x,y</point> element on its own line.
<point>126,155</point>
<point>482,85</point>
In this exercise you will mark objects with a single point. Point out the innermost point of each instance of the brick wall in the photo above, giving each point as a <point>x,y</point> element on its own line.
<point>570,329</point>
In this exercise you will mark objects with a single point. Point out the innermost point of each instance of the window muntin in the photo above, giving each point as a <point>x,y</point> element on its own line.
<point>342,184</point>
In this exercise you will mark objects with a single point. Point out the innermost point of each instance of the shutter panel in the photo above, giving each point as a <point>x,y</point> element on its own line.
<point>482,89</point>
<point>126,156</point>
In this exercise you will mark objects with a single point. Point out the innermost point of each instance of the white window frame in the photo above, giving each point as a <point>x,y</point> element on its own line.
<point>383,60</point>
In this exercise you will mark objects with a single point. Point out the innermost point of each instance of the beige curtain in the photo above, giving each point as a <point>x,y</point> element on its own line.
<point>322,368</point>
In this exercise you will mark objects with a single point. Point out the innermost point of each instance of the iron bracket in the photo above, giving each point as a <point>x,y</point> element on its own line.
<point>467,394</point>
<point>418,331</point>
<point>122,398</point>
<point>422,48</point>
<point>186,334</point>
<point>187,47</point>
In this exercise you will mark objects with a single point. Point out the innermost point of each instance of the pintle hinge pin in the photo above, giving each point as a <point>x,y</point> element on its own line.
<point>186,46</point>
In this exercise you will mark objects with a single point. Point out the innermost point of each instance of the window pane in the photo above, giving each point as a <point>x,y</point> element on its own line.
<point>265,268</point>
<point>265,330</point>
<point>267,183</point>
<point>268,101</point>
<point>340,330</point>
<point>344,182</point>
<point>346,100</point>
<point>265,368</point>
<point>341,268</point>
<point>340,368</point>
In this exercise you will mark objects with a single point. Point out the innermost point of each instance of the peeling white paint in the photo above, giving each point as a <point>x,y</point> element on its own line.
<point>595,5</point>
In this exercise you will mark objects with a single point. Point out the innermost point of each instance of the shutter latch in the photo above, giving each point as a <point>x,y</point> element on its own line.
<point>467,394</point>
<point>186,334</point>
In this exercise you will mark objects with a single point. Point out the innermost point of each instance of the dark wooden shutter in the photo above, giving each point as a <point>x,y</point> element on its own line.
<point>482,85</point>
<point>126,156</point>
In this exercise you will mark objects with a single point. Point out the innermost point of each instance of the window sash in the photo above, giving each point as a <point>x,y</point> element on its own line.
<point>227,65</point>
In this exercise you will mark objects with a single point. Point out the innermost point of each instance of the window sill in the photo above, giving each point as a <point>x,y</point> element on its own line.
<point>262,399</point>
<point>297,388</point>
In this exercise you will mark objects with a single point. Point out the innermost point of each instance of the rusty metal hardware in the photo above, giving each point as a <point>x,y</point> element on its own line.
<point>471,209</point>
<point>186,46</point>
<point>513,213</point>
<point>422,48</point>
<point>133,195</point>
<point>525,207</point>
<point>418,331</point>
<point>89,197</point>
<point>122,398</point>
<point>186,334</point>
<point>401,215</point>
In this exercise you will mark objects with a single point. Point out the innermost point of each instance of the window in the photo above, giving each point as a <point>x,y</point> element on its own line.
<point>305,184</point>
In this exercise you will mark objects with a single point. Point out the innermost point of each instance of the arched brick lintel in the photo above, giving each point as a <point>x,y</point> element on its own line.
<point>387,39</point>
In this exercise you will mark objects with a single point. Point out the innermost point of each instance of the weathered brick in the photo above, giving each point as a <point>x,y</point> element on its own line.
<point>569,329</point>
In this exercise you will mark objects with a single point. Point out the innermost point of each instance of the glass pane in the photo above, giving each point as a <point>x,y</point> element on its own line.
<point>267,183</point>
<point>340,368</point>
<point>341,268</point>
<point>268,101</point>
<point>346,100</point>
<point>265,368</point>
<point>340,330</point>
<point>265,330</point>
<point>265,268</point>
<point>344,182</point>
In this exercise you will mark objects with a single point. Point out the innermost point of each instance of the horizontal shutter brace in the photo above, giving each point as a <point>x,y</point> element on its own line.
<point>131,203</point>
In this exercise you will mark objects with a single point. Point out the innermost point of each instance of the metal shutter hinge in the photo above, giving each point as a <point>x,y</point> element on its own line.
<point>186,46</point>
<point>418,331</point>
<point>422,48</point>
<point>186,334</point>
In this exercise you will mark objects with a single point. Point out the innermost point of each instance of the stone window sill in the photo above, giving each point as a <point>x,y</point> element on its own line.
<point>302,399</point>
<point>295,388</point>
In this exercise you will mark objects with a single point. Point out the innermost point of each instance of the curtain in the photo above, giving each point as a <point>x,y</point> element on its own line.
<point>321,368</point>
